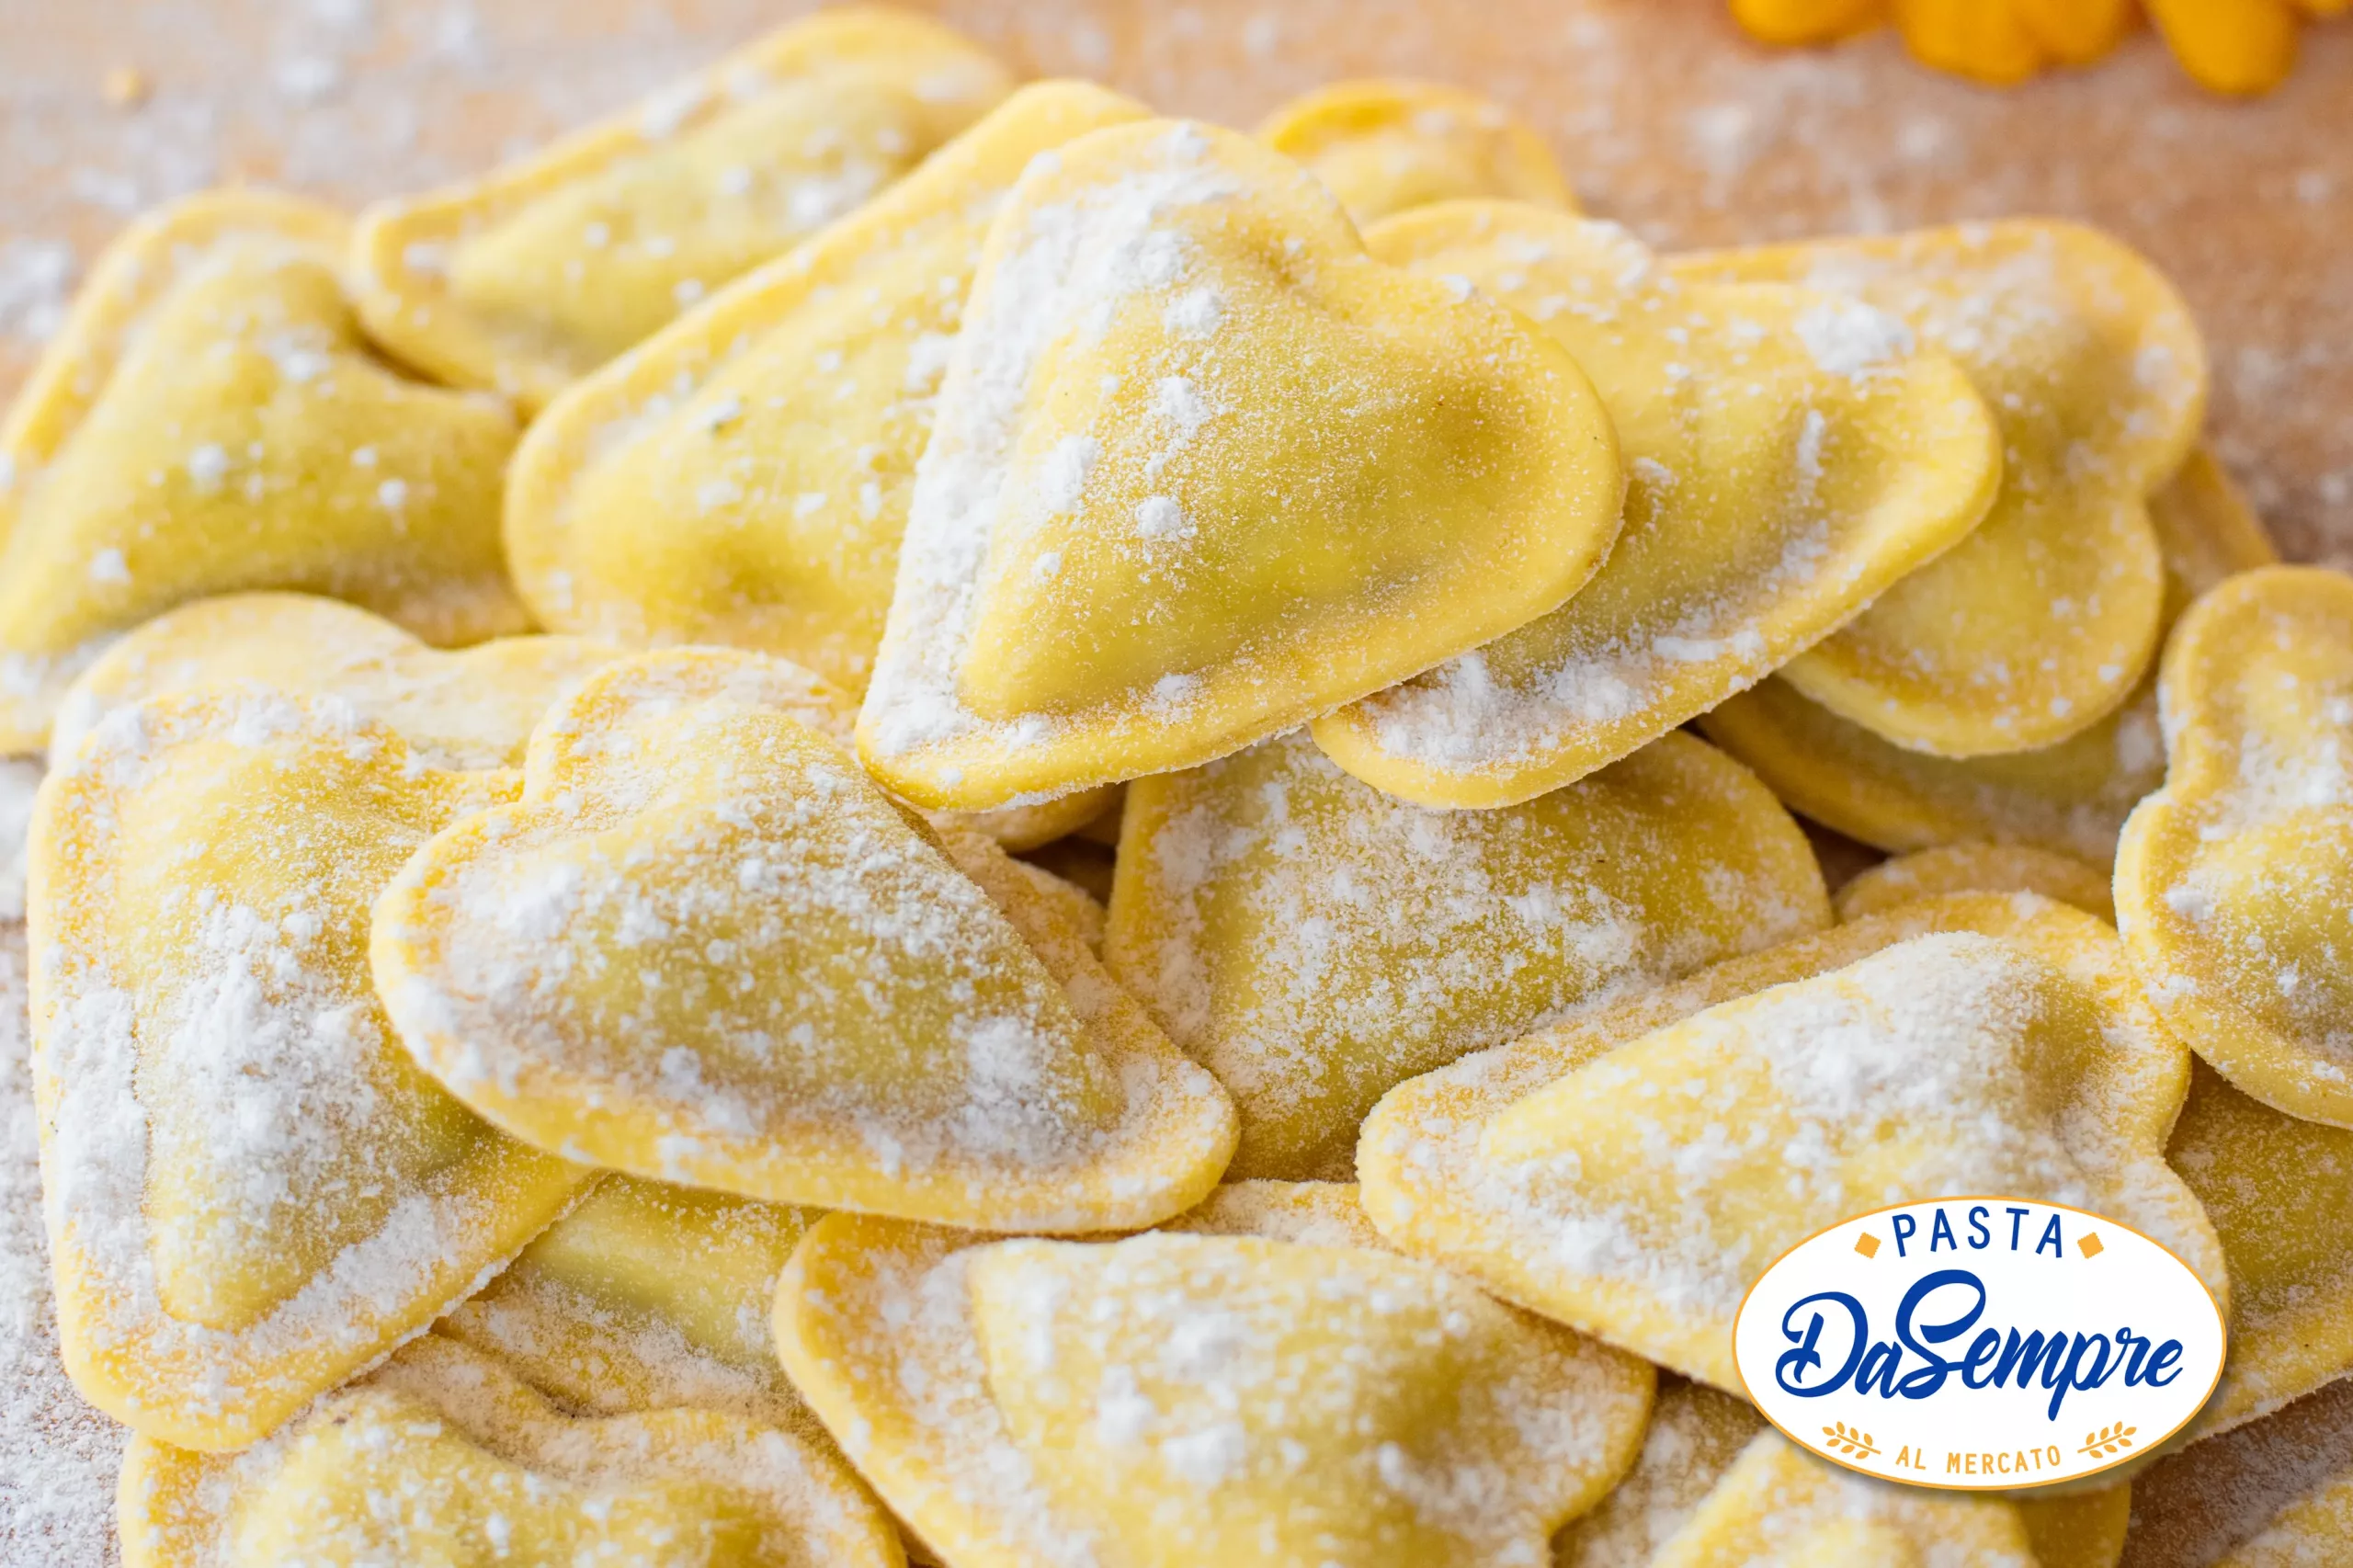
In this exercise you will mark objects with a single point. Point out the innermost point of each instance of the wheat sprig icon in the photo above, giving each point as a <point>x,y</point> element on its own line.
<point>1854,1442</point>
<point>2108,1441</point>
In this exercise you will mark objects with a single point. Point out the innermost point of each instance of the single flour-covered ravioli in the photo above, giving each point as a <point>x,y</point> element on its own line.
<point>2279,1190</point>
<point>2072,798</point>
<point>644,1297</point>
<point>1203,469</point>
<point>2041,622</point>
<point>705,948</point>
<point>2234,882</point>
<point>1179,1399</point>
<point>470,709</point>
<point>442,1457</point>
<point>2275,1494</point>
<point>742,477</point>
<point>1314,942</point>
<point>1385,145</point>
<point>1976,868</point>
<point>543,271</point>
<point>208,420</point>
<point>1631,1172</point>
<point>1773,490</point>
<point>1781,1505</point>
<point>251,1189</point>
<point>1694,1433</point>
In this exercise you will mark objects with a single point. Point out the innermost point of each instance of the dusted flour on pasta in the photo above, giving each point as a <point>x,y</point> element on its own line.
<point>2044,620</point>
<point>443,1445</point>
<point>1196,1398</point>
<point>251,1190</point>
<point>471,709</point>
<point>644,1297</point>
<point>1313,942</point>
<point>2233,881</point>
<point>742,477</point>
<point>540,271</point>
<point>1632,1171</point>
<point>211,421</point>
<point>1789,456</point>
<point>1201,471</point>
<point>705,948</point>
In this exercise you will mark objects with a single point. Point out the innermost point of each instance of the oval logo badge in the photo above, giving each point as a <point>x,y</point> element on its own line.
<point>1979,1344</point>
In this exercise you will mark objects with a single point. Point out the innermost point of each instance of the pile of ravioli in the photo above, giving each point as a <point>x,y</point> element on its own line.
<point>884,816</point>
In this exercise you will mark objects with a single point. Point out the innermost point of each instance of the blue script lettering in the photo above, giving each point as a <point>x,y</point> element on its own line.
<point>1912,1365</point>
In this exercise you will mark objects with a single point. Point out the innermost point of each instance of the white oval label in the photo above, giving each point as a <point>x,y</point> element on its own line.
<point>1983,1344</point>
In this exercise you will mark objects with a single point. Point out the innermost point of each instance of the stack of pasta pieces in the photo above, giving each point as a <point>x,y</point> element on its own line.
<point>592,718</point>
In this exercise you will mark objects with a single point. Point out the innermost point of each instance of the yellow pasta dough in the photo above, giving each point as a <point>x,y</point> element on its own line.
<point>1976,868</point>
<point>1385,145</point>
<point>1179,1399</point>
<point>644,1297</point>
<point>1976,1043</point>
<point>704,947</point>
<point>470,709</point>
<point>2278,1190</point>
<point>1203,469</point>
<point>2234,882</point>
<point>442,1457</point>
<point>1781,1505</point>
<point>1696,1433</point>
<point>2039,624</point>
<point>208,420</point>
<point>2275,1494</point>
<point>1790,456</point>
<point>251,1190</point>
<point>1314,942</point>
<point>2071,798</point>
<point>545,269</point>
<point>742,477</point>
<point>1080,910</point>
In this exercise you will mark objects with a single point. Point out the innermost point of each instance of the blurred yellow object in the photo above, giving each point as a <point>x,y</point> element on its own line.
<point>2226,46</point>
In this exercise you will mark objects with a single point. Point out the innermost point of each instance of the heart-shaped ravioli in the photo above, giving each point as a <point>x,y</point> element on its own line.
<point>1314,942</point>
<point>1772,492</point>
<point>2277,1189</point>
<point>1963,1044</point>
<point>1203,469</point>
<point>742,477</point>
<point>2275,1494</point>
<point>470,709</point>
<point>543,271</point>
<point>1385,145</point>
<point>2041,622</point>
<point>705,948</point>
<point>1976,868</point>
<point>251,1189</point>
<point>442,1457</point>
<point>1779,1505</point>
<point>1696,1433</point>
<point>2234,882</point>
<point>2072,798</point>
<point>1179,1399</point>
<point>208,420</point>
<point>644,1297</point>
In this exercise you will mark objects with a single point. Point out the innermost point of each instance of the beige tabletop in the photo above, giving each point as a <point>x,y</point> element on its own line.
<point>1669,121</point>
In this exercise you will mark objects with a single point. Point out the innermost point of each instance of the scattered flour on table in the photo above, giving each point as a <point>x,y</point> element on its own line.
<point>58,1456</point>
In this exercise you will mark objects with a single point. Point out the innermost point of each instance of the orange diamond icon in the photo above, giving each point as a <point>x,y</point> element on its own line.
<point>2090,1245</point>
<point>1867,1245</point>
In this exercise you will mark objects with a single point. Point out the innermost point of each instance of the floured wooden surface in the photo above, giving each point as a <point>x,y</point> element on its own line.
<point>1665,117</point>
